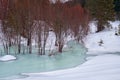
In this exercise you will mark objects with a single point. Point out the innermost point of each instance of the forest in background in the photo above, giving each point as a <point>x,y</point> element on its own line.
<point>33,19</point>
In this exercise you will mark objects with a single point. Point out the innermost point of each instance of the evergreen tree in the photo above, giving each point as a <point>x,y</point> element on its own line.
<point>117,5</point>
<point>102,11</point>
<point>117,8</point>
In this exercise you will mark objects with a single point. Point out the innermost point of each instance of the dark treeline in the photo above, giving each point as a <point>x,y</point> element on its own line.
<point>101,11</point>
<point>32,20</point>
<point>117,8</point>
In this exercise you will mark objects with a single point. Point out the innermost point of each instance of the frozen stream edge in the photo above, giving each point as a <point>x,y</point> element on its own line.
<point>102,64</point>
<point>102,67</point>
<point>99,67</point>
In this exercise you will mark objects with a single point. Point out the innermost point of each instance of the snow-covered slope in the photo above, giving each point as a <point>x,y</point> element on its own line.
<point>110,40</point>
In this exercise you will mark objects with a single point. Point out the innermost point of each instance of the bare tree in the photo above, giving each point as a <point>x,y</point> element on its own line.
<point>59,26</point>
<point>77,19</point>
<point>42,24</point>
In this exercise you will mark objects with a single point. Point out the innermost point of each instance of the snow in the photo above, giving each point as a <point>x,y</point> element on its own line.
<point>50,41</point>
<point>60,0</point>
<point>102,61</point>
<point>92,25</point>
<point>7,58</point>
<point>115,24</point>
<point>110,40</point>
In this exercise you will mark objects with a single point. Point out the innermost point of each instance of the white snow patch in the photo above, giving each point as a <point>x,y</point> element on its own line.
<point>115,24</point>
<point>93,27</point>
<point>110,41</point>
<point>7,58</point>
<point>51,41</point>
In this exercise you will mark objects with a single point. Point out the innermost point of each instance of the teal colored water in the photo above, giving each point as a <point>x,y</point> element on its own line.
<point>71,57</point>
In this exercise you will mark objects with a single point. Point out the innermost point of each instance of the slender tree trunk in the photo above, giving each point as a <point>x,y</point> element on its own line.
<point>60,48</point>
<point>118,15</point>
<point>100,27</point>
<point>29,42</point>
<point>56,44</point>
<point>45,39</point>
<point>60,45</point>
<point>56,41</point>
<point>19,44</point>
<point>19,48</point>
<point>6,48</point>
<point>44,48</point>
<point>39,49</point>
<point>39,42</point>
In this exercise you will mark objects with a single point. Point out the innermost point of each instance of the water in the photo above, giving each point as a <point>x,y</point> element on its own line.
<point>71,57</point>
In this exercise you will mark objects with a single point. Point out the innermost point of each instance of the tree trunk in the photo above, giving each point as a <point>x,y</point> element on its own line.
<point>39,43</point>
<point>60,48</point>
<point>6,48</point>
<point>19,45</point>
<point>118,15</point>
<point>100,27</point>
<point>56,44</point>
<point>29,44</point>
<point>44,48</point>
<point>19,48</point>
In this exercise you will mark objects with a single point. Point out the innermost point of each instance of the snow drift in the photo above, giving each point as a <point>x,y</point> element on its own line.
<point>7,58</point>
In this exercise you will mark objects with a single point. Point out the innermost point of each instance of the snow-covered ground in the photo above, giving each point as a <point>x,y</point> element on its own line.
<point>103,60</point>
<point>110,40</point>
<point>7,58</point>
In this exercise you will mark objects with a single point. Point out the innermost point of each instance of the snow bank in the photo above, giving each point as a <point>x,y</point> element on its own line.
<point>7,58</point>
<point>93,24</point>
<point>115,24</point>
<point>93,27</point>
<point>110,44</point>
